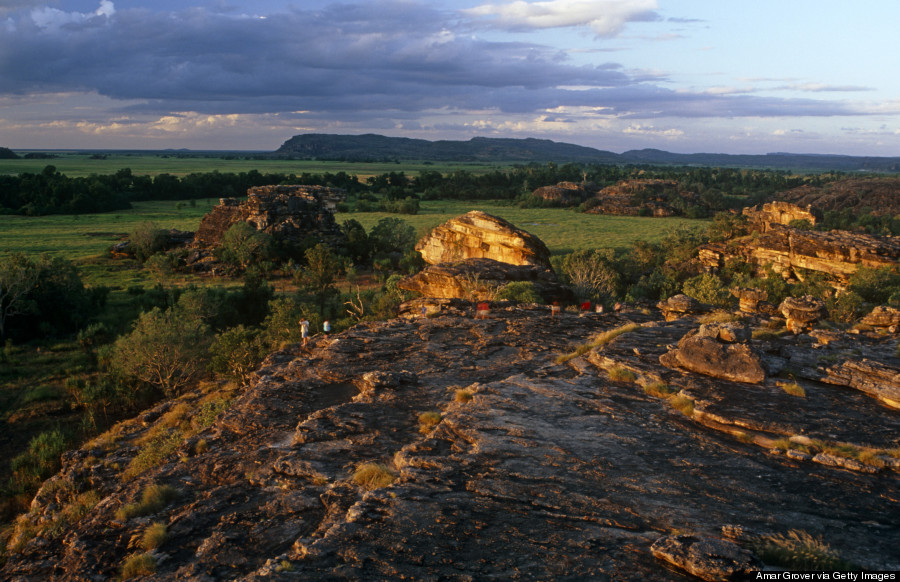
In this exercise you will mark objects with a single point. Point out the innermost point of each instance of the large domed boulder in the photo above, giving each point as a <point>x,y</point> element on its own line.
<point>718,351</point>
<point>478,235</point>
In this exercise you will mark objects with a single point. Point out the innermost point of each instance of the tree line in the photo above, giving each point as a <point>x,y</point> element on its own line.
<point>51,192</point>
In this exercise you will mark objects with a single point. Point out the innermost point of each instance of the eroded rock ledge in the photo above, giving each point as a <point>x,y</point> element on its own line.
<point>540,471</point>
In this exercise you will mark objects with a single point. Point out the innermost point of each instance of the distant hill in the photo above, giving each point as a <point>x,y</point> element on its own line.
<point>323,146</point>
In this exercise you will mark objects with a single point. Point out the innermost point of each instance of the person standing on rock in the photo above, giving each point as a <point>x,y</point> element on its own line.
<point>304,331</point>
<point>554,309</point>
<point>326,327</point>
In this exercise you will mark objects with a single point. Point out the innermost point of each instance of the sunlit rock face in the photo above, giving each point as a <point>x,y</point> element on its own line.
<point>289,213</point>
<point>536,470</point>
<point>478,235</point>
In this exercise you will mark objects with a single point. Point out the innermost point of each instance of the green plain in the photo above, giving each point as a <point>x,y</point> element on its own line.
<point>80,164</point>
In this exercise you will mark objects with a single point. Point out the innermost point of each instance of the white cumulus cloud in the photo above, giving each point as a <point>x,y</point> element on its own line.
<point>604,17</point>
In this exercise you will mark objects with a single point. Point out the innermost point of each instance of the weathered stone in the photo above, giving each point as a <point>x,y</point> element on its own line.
<point>681,305</point>
<point>874,378</point>
<point>837,254</point>
<point>641,197</point>
<point>730,333</point>
<point>290,213</point>
<point>712,559</point>
<point>705,355</point>
<point>749,299</point>
<point>802,313</point>
<point>566,193</point>
<point>477,235</point>
<point>482,279</point>
<point>777,213</point>
<point>883,317</point>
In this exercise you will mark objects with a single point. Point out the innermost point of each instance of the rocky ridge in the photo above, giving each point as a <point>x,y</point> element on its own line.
<point>536,470</point>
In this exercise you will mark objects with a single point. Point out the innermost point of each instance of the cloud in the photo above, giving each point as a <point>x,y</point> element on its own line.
<point>53,18</point>
<point>604,17</point>
<point>823,88</point>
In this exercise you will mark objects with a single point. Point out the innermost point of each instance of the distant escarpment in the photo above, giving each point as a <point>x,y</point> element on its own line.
<point>372,147</point>
<point>449,447</point>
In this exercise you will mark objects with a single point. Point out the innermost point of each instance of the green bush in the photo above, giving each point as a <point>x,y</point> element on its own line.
<point>521,291</point>
<point>236,352</point>
<point>41,460</point>
<point>708,288</point>
<point>875,285</point>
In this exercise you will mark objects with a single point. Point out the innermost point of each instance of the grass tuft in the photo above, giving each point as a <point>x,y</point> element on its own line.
<point>154,536</point>
<point>428,420</point>
<point>659,389</point>
<point>138,565</point>
<point>683,404</point>
<point>462,395</point>
<point>153,498</point>
<point>793,388</point>
<point>373,476</point>
<point>597,341</point>
<point>619,374</point>
<point>798,550</point>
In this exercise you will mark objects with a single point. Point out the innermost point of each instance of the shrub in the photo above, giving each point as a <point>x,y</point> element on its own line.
<point>798,550</point>
<point>40,460</point>
<point>373,476</point>
<point>592,274</point>
<point>521,291</point>
<point>708,288</point>
<point>236,352</point>
<point>428,420</point>
<point>153,498</point>
<point>138,565</point>
<point>146,240</point>
<point>154,536</point>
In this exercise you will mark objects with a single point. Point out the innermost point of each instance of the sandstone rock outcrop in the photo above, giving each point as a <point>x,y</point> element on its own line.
<point>478,235</point>
<point>542,471</point>
<point>478,279</point>
<point>880,196</point>
<point>802,313</point>
<point>681,305</point>
<point>712,559</point>
<point>641,197</point>
<point>565,193</point>
<point>788,251</point>
<point>715,351</point>
<point>883,317</point>
<point>753,300</point>
<point>762,218</point>
<point>290,213</point>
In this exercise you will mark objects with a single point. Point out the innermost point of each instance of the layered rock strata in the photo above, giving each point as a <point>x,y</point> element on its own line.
<point>290,213</point>
<point>790,251</point>
<point>478,235</point>
<point>536,470</point>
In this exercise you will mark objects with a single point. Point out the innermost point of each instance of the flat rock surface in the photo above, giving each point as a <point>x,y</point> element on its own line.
<point>549,471</point>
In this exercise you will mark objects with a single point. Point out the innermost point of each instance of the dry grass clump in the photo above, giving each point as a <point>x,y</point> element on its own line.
<point>153,498</point>
<point>620,374</point>
<point>153,452</point>
<point>598,340</point>
<point>683,404</point>
<point>154,536</point>
<point>373,476</point>
<point>658,389</point>
<point>138,565</point>
<point>462,395</point>
<point>798,550</point>
<point>793,388</point>
<point>428,420</point>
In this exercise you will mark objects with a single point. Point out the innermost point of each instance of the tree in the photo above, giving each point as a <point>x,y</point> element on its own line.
<point>18,277</point>
<point>146,240</point>
<point>592,273</point>
<point>392,235</point>
<point>242,245</point>
<point>320,273</point>
<point>236,352</point>
<point>166,349</point>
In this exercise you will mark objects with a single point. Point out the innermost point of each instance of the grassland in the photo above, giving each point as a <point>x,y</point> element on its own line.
<point>80,164</point>
<point>81,237</point>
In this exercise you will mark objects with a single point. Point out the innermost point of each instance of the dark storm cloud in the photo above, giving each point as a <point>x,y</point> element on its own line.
<point>347,61</point>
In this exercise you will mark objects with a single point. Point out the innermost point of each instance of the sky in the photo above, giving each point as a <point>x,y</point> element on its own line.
<point>685,76</point>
